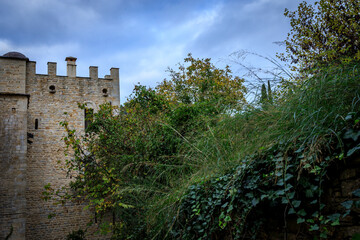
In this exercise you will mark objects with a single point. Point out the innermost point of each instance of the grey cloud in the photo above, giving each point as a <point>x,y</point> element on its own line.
<point>141,37</point>
<point>252,25</point>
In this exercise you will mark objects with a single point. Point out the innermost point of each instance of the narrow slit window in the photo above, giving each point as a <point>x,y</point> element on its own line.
<point>36,124</point>
<point>89,112</point>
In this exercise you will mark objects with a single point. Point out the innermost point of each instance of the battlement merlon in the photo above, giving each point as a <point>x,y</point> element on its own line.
<point>114,72</point>
<point>93,72</point>
<point>51,68</point>
<point>71,66</point>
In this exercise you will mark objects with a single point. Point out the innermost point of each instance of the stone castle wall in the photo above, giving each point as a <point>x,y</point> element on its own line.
<point>13,165</point>
<point>12,75</point>
<point>50,96</point>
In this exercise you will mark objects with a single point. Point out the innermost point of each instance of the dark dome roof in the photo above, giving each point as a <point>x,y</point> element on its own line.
<point>15,55</point>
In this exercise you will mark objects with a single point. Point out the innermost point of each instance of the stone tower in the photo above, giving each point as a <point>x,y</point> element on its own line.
<point>31,150</point>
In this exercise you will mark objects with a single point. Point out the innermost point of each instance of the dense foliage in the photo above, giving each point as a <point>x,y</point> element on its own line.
<point>123,158</point>
<point>285,174</point>
<point>178,162</point>
<point>325,33</point>
<point>202,82</point>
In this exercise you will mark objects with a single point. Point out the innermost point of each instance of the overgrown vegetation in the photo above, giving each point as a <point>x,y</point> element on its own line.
<point>279,156</point>
<point>192,160</point>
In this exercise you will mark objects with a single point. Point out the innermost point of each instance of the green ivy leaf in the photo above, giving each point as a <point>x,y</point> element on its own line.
<point>307,166</point>
<point>335,219</point>
<point>347,212</point>
<point>300,220</point>
<point>336,222</point>
<point>291,211</point>
<point>356,193</point>
<point>227,218</point>
<point>296,203</point>
<point>255,202</point>
<point>322,206</point>
<point>314,227</point>
<point>224,205</point>
<point>288,187</point>
<point>280,192</point>
<point>249,195</point>
<point>353,150</point>
<point>350,133</point>
<point>280,182</point>
<point>288,176</point>
<point>263,196</point>
<point>302,212</point>
<point>347,204</point>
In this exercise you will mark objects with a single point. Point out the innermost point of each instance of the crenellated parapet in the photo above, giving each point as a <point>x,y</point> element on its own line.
<point>71,70</point>
<point>19,76</point>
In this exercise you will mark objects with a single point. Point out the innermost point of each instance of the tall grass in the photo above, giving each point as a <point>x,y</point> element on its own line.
<point>312,116</point>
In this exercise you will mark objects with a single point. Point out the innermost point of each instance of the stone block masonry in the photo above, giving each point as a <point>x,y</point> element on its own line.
<point>31,149</point>
<point>13,123</point>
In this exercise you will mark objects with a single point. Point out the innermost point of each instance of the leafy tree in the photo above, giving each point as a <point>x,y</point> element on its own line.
<point>323,33</point>
<point>202,82</point>
<point>123,160</point>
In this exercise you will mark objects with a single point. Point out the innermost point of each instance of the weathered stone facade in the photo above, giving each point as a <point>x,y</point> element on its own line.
<point>31,150</point>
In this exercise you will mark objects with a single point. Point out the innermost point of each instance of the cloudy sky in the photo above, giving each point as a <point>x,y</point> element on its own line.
<point>141,37</point>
